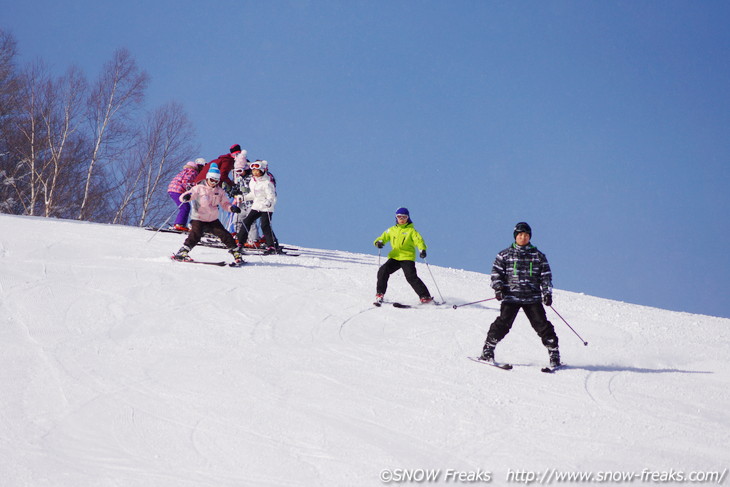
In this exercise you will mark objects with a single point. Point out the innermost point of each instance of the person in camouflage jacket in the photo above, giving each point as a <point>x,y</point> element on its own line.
<point>522,279</point>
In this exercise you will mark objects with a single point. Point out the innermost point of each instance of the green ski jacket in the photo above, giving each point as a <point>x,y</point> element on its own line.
<point>404,238</point>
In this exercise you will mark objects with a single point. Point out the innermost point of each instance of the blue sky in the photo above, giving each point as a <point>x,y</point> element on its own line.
<point>602,124</point>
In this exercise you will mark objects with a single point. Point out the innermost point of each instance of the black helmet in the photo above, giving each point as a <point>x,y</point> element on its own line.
<point>522,227</point>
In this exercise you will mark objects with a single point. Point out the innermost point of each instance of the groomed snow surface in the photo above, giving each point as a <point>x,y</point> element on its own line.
<point>120,367</point>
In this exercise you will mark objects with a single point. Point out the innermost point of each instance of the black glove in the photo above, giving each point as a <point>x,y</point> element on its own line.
<point>423,254</point>
<point>235,209</point>
<point>379,244</point>
<point>186,197</point>
<point>498,294</point>
<point>548,299</point>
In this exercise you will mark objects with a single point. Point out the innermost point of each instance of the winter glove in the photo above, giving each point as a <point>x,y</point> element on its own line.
<point>235,209</point>
<point>423,254</point>
<point>186,197</point>
<point>498,294</point>
<point>379,244</point>
<point>548,299</point>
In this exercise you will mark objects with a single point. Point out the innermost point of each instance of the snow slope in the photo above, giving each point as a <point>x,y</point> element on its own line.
<point>120,367</point>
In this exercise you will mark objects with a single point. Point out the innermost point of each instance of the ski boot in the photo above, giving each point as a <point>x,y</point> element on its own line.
<point>488,353</point>
<point>427,299</point>
<point>181,228</point>
<point>379,299</point>
<point>237,256</point>
<point>273,250</point>
<point>554,357</point>
<point>182,254</point>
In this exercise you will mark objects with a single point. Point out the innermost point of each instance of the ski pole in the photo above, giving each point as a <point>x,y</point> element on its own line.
<point>475,302</point>
<point>165,224</point>
<point>378,257</point>
<point>571,328</point>
<point>434,280</point>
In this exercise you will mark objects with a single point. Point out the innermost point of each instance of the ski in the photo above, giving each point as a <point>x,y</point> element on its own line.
<point>164,230</point>
<point>552,370</point>
<point>249,251</point>
<point>191,261</point>
<point>396,304</point>
<point>493,364</point>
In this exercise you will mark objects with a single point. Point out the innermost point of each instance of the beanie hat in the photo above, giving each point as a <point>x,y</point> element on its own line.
<point>522,227</point>
<point>213,172</point>
<point>240,163</point>
<point>192,164</point>
<point>235,148</point>
<point>201,161</point>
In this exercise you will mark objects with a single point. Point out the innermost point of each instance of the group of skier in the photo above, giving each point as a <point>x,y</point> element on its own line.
<point>521,277</point>
<point>202,188</point>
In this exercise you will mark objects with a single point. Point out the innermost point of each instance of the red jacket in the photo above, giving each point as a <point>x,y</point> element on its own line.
<point>225,164</point>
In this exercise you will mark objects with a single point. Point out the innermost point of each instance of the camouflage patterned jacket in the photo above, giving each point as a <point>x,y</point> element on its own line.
<point>523,274</point>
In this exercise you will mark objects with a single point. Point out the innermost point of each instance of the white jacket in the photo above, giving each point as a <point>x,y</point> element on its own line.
<point>263,193</point>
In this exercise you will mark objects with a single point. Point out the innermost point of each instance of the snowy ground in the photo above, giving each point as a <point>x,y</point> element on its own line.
<point>119,367</point>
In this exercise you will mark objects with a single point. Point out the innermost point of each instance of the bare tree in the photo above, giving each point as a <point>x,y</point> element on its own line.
<point>9,88</point>
<point>64,145</point>
<point>162,149</point>
<point>118,92</point>
<point>49,148</point>
<point>29,125</point>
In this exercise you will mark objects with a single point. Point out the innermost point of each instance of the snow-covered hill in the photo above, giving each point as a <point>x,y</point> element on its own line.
<point>120,367</point>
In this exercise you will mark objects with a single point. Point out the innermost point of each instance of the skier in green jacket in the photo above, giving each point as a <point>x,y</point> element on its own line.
<point>404,239</point>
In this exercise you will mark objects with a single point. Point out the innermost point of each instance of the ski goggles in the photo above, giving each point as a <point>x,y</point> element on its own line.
<point>402,217</point>
<point>238,170</point>
<point>256,165</point>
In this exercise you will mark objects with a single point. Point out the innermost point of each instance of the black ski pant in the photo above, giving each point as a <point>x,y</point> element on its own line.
<point>538,319</point>
<point>409,269</point>
<point>198,229</point>
<point>250,219</point>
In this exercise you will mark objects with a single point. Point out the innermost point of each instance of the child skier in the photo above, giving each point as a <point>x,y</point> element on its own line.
<point>404,239</point>
<point>181,183</point>
<point>262,193</point>
<point>242,178</point>
<point>206,197</point>
<point>521,279</point>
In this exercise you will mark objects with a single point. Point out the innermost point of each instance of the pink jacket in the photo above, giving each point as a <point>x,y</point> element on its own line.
<point>205,201</point>
<point>182,181</point>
